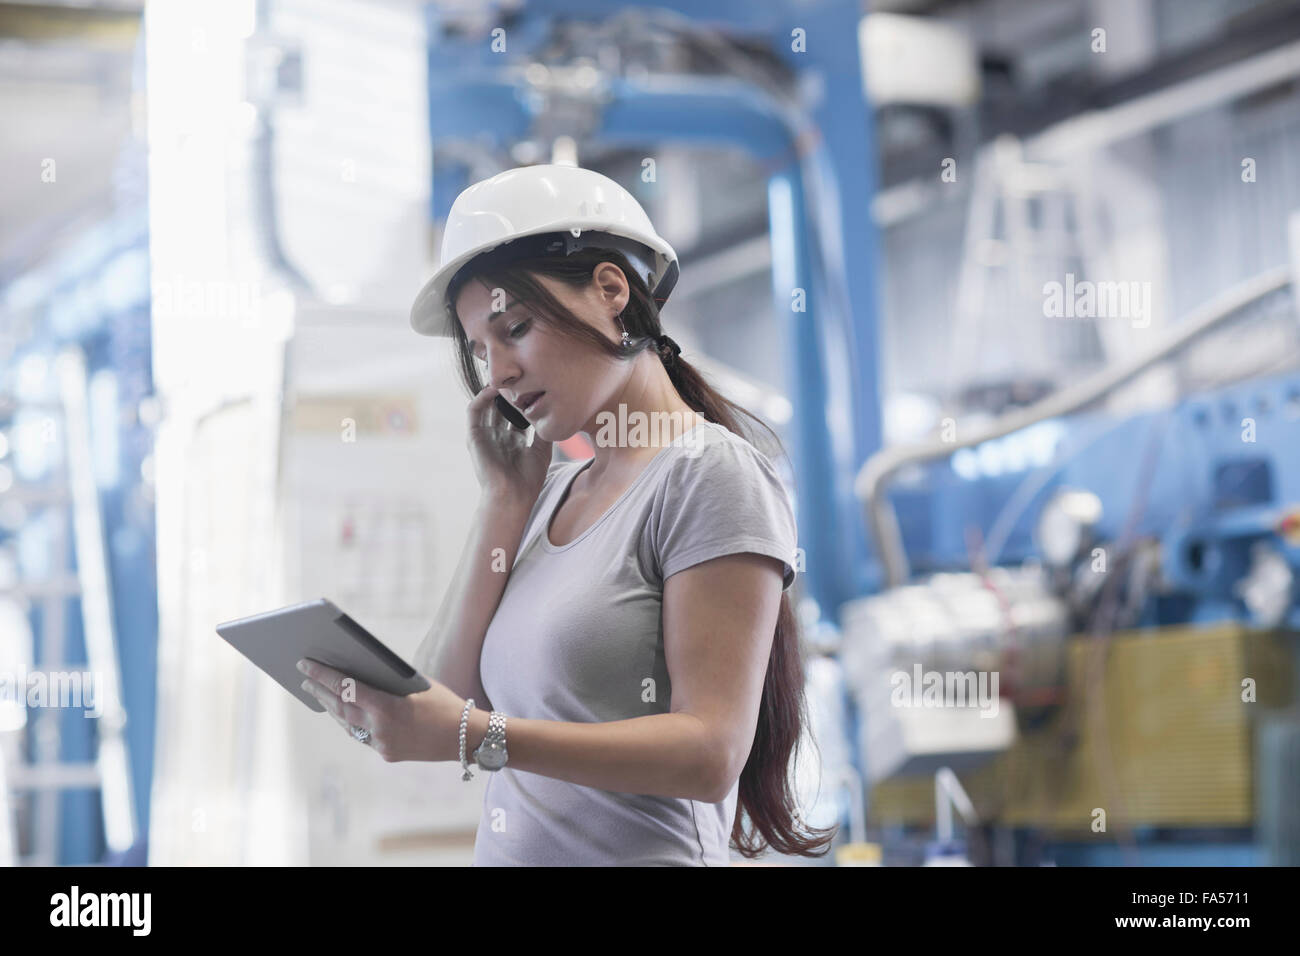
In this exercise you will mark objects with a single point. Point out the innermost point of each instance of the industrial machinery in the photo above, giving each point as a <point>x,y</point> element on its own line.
<point>1142,632</point>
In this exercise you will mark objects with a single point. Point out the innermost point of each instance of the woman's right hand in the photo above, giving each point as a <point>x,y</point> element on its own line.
<point>505,463</point>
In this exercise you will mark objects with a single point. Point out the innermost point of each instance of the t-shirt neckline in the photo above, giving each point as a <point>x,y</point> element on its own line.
<point>659,455</point>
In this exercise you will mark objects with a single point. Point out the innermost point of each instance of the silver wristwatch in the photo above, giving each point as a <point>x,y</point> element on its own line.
<point>491,753</point>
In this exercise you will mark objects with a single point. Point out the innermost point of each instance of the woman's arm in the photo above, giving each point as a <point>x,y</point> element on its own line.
<point>668,755</point>
<point>450,651</point>
<point>719,618</point>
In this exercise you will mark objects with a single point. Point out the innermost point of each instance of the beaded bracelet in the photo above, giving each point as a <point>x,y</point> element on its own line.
<point>464,722</point>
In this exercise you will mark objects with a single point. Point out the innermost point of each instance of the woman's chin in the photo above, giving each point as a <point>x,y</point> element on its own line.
<point>547,430</point>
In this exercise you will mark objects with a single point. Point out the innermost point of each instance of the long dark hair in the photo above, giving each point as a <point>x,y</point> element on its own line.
<point>766,795</point>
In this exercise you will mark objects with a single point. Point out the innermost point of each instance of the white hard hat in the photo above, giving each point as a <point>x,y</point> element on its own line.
<point>540,210</point>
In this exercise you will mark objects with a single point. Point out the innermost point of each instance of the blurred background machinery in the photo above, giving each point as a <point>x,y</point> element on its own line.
<point>1014,281</point>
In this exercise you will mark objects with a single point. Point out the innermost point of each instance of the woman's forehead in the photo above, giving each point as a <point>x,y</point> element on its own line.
<point>475,302</point>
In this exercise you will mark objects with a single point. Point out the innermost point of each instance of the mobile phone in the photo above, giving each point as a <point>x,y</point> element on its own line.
<point>512,414</point>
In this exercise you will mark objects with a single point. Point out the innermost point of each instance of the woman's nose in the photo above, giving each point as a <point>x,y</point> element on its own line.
<point>501,371</point>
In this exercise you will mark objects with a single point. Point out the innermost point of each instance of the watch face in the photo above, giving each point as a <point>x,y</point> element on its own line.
<point>492,756</point>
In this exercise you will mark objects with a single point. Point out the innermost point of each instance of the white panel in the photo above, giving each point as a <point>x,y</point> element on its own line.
<point>376,513</point>
<point>914,60</point>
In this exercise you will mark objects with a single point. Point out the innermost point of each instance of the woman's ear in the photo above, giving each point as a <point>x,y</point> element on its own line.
<point>613,286</point>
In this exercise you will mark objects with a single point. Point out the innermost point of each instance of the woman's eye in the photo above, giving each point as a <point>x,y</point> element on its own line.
<point>518,330</point>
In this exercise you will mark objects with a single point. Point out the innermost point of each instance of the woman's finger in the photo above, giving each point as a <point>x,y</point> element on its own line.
<point>347,727</point>
<point>344,687</point>
<point>482,409</point>
<point>346,711</point>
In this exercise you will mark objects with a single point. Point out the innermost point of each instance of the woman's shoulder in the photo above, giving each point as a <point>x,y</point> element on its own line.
<point>717,448</point>
<point>722,495</point>
<point>722,461</point>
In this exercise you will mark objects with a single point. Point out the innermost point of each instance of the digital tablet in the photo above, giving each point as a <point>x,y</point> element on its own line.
<point>276,640</point>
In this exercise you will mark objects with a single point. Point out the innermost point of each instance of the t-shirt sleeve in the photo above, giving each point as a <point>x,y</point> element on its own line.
<point>728,499</point>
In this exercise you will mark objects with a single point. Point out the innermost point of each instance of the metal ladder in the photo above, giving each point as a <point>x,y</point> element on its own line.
<point>43,774</point>
<point>1025,219</point>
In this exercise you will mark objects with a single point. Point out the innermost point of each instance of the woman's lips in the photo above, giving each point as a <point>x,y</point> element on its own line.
<point>529,400</point>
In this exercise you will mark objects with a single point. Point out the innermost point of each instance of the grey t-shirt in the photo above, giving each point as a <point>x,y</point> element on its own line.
<point>578,636</point>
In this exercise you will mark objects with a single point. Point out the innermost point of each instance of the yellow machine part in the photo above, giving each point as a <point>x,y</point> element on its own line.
<point>1154,731</point>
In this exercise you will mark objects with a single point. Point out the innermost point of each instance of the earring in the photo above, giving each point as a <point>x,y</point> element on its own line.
<point>627,339</point>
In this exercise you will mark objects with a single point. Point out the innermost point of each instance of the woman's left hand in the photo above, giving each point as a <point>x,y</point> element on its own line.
<point>420,726</point>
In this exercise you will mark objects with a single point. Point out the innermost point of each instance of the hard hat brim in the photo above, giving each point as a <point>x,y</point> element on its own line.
<point>431,313</point>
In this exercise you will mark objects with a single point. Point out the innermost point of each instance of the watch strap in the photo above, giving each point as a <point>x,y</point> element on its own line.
<point>495,737</point>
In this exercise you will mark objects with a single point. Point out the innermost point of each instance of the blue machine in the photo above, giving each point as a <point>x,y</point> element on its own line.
<point>1210,478</point>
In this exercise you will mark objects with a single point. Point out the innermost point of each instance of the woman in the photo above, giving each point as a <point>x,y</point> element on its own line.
<point>617,639</point>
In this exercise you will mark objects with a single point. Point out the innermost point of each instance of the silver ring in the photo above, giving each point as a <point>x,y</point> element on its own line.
<point>360,733</point>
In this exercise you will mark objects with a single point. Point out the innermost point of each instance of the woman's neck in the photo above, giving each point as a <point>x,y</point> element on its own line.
<point>633,438</point>
<point>645,416</point>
